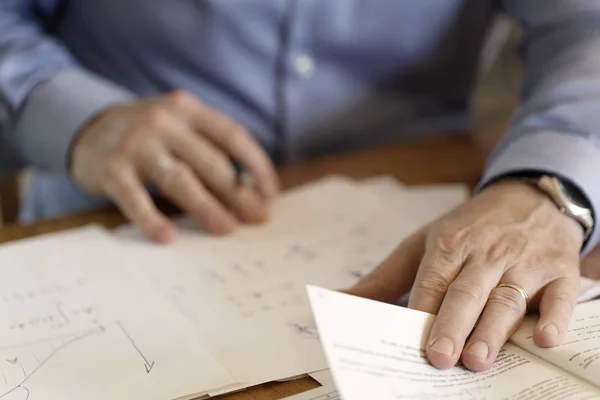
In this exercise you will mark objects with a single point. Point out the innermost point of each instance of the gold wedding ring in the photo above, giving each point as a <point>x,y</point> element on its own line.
<point>518,288</point>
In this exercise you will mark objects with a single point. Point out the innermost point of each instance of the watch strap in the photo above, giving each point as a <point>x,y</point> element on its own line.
<point>569,199</point>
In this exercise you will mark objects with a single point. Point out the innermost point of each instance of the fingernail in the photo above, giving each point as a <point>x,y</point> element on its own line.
<point>226,228</point>
<point>551,329</point>
<point>164,234</point>
<point>165,237</point>
<point>443,346</point>
<point>479,349</point>
<point>222,226</point>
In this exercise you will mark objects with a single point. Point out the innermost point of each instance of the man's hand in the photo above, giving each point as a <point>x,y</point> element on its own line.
<point>183,147</point>
<point>509,233</point>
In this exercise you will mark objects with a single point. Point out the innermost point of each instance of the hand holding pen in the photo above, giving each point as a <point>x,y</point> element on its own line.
<point>185,148</point>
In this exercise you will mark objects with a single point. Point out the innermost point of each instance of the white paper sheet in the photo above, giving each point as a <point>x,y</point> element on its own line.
<point>245,293</point>
<point>324,377</point>
<point>76,325</point>
<point>580,351</point>
<point>376,351</point>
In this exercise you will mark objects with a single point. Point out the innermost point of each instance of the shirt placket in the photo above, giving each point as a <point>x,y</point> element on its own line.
<point>296,65</point>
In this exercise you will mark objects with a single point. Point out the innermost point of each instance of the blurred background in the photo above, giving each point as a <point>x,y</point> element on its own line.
<point>495,97</point>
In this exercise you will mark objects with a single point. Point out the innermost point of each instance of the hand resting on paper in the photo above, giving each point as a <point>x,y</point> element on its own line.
<point>182,146</point>
<point>508,234</point>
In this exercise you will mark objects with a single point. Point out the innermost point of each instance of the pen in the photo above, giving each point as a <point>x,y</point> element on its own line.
<point>243,178</point>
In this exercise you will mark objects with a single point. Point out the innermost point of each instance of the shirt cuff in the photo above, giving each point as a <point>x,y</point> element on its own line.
<point>55,111</point>
<point>575,158</point>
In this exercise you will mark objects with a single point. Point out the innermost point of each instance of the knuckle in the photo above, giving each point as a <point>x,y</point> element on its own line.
<point>507,299</point>
<point>158,116</point>
<point>450,238</point>
<point>565,300</point>
<point>433,283</point>
<point>132,141</point>
<point>233,134</point>
<point>180,99</point>
<point>446,257</point>
<point>468,289</point>
<point>497,250</point>
<point>449,324</point>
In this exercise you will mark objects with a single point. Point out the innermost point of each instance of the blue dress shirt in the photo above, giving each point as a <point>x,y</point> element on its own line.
<point>306,77</point>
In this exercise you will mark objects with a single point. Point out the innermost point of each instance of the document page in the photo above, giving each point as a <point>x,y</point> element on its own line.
<point>77,325</point>
<point>246,293</point>
<point>580,353</point>
<point>376,351</point>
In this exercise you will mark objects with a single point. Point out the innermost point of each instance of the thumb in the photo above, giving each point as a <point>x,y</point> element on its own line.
<point>395,275</point>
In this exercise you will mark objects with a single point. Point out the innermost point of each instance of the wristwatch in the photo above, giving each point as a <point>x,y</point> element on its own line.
<point>567,197</point>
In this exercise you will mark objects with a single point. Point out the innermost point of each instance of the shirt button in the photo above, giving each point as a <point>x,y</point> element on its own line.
<point>304,65</point>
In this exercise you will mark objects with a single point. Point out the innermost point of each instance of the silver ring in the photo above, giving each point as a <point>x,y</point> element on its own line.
<point>518,288</point>
<point>162,167</point>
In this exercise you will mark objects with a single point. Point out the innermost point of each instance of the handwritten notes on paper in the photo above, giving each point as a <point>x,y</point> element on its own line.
<point>251,286</point>
<point>74,323</point>
<point>80,311</point>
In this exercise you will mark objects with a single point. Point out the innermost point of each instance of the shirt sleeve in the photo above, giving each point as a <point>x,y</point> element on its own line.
<point>557,128</point>
<point>45,95</point>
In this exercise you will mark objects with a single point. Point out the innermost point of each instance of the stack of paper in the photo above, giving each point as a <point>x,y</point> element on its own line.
<point>95,314</point>
<point>374,356</point>
<point>245,295</point>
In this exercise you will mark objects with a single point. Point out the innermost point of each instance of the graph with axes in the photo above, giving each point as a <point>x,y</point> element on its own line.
<point>22,362</point>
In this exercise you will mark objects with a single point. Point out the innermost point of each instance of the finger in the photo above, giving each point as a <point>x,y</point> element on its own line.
<point>216,171</point>
<point>460,309</point>
<point>183,187</point>
<point>394,276</point>
<point>556,309</point>
<point>502,315</point>
<point>441,264</point>
<point>590,265</point>
<point>233,139</point>
<point>177,181</point>
<point>124,187</point>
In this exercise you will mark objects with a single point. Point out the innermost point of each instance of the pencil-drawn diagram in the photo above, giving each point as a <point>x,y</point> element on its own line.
<point>298,252</point>
<point>33,357</point>
<point>19,363</point>
<point>307,331</point>
<point>148,365</point>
